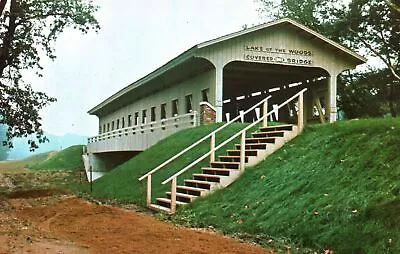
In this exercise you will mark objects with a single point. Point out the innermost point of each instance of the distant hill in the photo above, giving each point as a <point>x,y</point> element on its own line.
<point>21,147</point>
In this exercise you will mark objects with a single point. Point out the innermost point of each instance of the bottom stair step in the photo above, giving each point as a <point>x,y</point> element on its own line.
<point>182,197</point>
<point>168,201</point>
<point>160,208</point>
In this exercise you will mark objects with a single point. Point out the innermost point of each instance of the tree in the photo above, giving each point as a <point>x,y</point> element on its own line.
<point>370,26</point>
<point>368,94</point>
<point>395,6</point>
<point>28,31</point>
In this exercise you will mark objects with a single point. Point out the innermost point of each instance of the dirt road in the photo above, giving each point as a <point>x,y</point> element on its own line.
<point>49,221</point>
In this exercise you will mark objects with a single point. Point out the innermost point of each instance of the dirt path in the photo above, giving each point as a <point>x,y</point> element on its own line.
<point>49,221</point>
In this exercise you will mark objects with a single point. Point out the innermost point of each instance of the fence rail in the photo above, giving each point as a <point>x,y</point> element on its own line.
<point>164,124</point>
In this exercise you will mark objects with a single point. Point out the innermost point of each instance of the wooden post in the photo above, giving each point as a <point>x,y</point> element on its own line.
<point>242,150</point>
<point>212,146</point>
<point>317,103</point>
<point>91,179</point>
<point>265,112</point>
<point>173,195</point>
<point>148,199</point>
<point>300,113</point>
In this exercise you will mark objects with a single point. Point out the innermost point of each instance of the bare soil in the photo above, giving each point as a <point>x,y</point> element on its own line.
<point>34,219</point>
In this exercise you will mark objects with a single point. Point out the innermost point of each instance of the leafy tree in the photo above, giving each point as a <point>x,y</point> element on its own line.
<point>368,94</point>
<point>395,6</point>
<point>370,26</point>
<point>28,31</point>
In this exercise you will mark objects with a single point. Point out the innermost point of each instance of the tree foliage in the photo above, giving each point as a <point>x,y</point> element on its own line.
<point>368,26</point>
<point>368,94</point>
<point>28,31</point>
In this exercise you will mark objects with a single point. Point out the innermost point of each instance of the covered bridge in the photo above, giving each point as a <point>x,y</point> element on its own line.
<point>215,80</point>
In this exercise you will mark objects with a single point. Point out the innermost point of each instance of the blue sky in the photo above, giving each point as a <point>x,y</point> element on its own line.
<point>136,37</point>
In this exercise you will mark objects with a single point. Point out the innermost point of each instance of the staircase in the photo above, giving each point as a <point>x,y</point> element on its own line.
<point>223,172</point>
<point>227,168</point>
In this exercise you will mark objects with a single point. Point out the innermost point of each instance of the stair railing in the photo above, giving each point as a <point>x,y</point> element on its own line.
<point>242,134</point>
<point>212,148</point>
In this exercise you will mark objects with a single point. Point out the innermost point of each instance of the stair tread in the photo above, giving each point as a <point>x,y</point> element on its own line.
<point>218,169</point>
<point>225,162</point>
<point>191,188</point>
<point>262,138</point>
<point>268,132</point>
<point>208,175</point>
<point>182,195</point>
<point>167,200</point>
<point>252,144</point>
<point>277,126</point>
<point>230,156</point>
<point>160,208</point>
<point>247,150</point>
<point>199,181</point>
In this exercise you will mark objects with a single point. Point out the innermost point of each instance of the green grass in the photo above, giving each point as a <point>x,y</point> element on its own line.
<point>69,158</point>
<point>122,182</point>
<point>335,186</point>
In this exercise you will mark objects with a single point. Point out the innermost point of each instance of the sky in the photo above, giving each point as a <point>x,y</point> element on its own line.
<point>136,37</point>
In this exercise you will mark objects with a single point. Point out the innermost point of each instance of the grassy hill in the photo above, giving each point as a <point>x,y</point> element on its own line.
<point>335,186</point>
<point>122,183</point>
<point>69,158</point>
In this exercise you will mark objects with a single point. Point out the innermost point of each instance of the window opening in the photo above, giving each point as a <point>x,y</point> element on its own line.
<point>163,112</point>
<point>153,114</point>
<point>189,105</point>
<point>204,94</point>
<point>175,107</point>
<point>129,120</point>
<point>137,118</point>
<point>144,119</point>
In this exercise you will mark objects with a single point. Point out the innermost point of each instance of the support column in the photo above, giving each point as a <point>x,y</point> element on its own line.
<point>331,96</point>
<point>219,92</point>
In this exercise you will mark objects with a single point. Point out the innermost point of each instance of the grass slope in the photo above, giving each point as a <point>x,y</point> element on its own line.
<point>335,186</point>
<point>69,158</point>
<point>122,182</point>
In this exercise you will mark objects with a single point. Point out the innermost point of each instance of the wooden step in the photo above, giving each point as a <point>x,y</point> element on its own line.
<point>167,202</point>
<point>191,190</point>
<point>231,158</point>
<point>160,208</point>
<point>208,177</point>
<point>199,184</point>
<point>268,134</point>
<point>260,140</point>
<point>221,164</point>
<point>256,146</point>
<point>217,171</point>
<point>237,152</point>
<point>182,197</point>
<point>287,127</point>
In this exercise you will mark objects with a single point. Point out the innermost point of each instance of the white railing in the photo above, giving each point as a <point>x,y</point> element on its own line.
<point>174,122</point>
<point>212,146</point>
<point>213,149</point>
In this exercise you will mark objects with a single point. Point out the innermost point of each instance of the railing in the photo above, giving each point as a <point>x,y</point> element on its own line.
<point>163,124</point>
<point>212,146</point>
<point>242,134</point>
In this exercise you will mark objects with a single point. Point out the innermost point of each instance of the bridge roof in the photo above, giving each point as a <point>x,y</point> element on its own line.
<point>135,89</point>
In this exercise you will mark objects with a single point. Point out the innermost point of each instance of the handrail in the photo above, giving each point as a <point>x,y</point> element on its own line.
<point>141,127</point>
<point>201,140</point>
<point>232,137</point>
